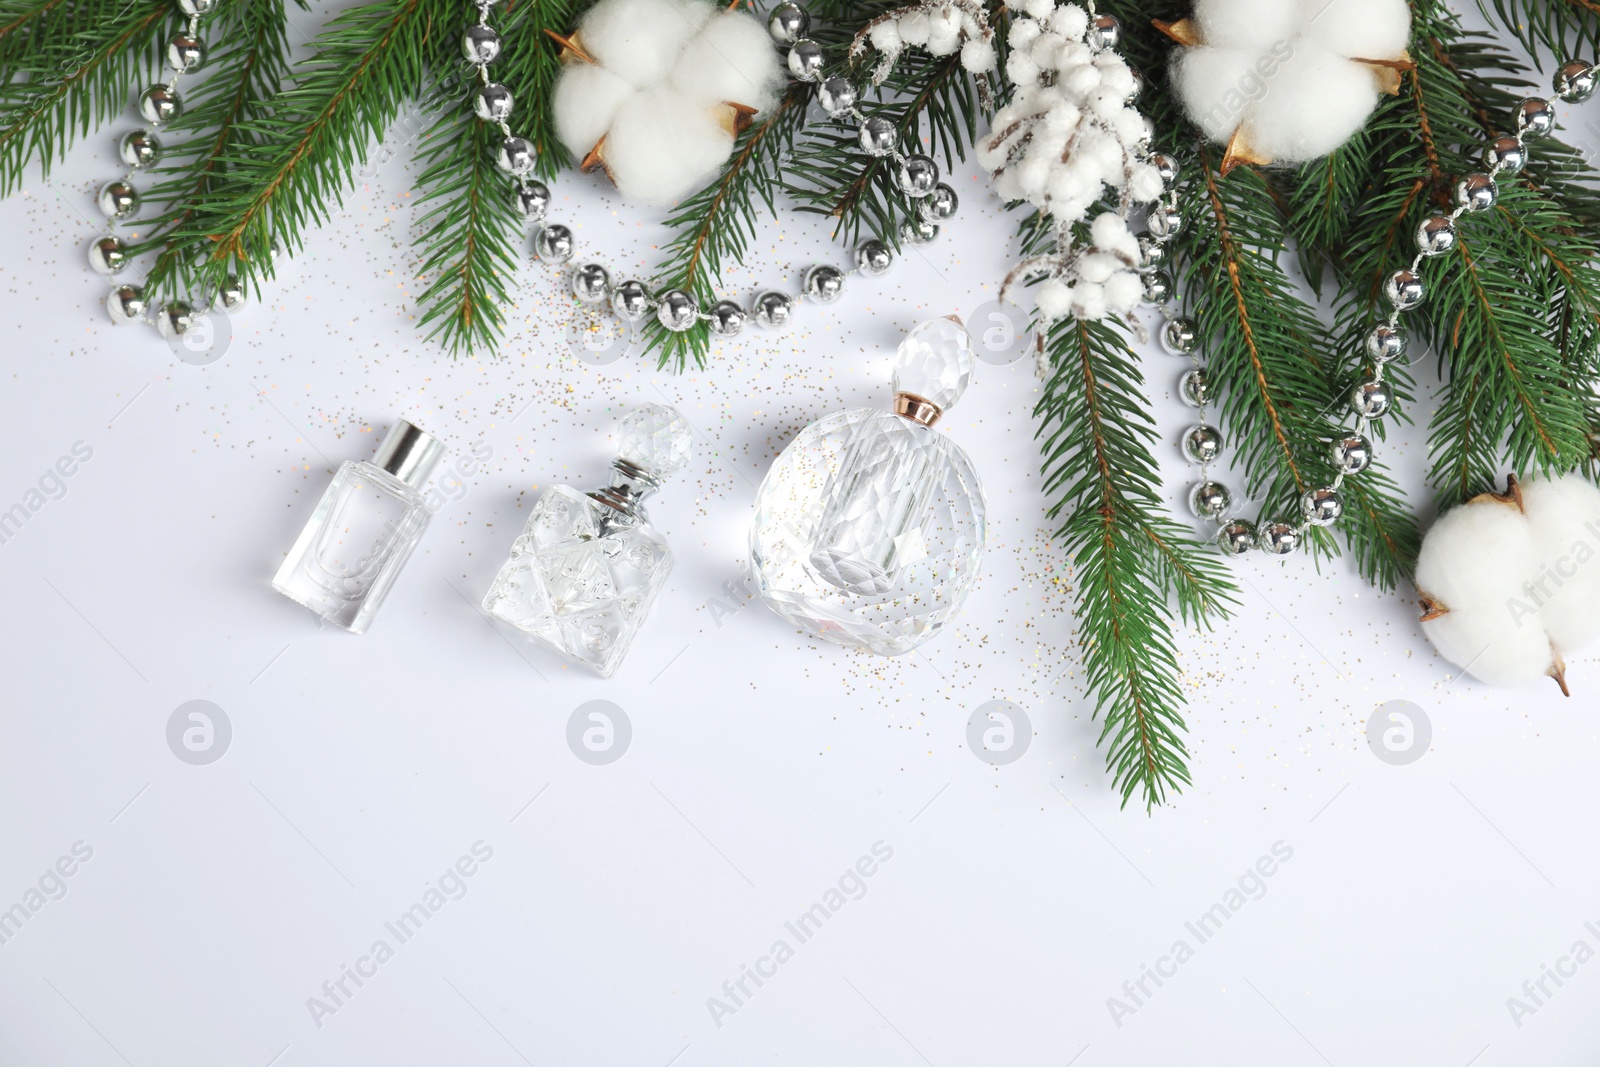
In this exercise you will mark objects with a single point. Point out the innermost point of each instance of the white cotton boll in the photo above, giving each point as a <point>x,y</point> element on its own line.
<point>731,60</point>
<point>1209,83</point>
<point>1124,292</point>
<point>1465,557</point>
<point>1054,299</point>
<point>1491,648</point>
<point>1089,301</point>
<point>585,101</point>
<point>1232,23</point>
<point>1360,29</point>
<point>1564,516</point>
<point>1311,106</point>
<point>1098,267</point>
<point>1144,184</point>
<point>1070,21</point>
<point>1039,9</point>
<point>885,36</point>
<point>662,147</point>
<point>1023,33</point>
<point>639,39</point>
<point>977,57</point>
<point>914,28</point>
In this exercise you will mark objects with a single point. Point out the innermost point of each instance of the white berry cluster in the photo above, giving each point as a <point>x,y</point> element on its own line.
<point>1070,136</point>
<point>941,27</point>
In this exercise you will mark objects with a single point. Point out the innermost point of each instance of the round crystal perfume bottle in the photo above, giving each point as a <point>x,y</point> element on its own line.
<point>869,527</point>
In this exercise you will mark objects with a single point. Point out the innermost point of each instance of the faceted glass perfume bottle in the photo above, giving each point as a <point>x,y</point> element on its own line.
<point>587,566</point>
<point>368,521</point>
<point>869,527</point>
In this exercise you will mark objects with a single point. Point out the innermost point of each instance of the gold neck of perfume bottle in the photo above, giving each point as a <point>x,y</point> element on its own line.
<point>917,409</point>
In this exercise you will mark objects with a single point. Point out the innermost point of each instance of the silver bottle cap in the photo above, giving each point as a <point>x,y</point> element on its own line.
<point>410,454</point>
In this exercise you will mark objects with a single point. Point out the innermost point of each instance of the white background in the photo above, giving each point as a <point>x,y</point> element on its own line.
<point>1018,900</point>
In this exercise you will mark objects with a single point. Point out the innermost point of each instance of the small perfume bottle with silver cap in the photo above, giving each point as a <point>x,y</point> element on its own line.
<point>368,521</point>
<point>587,566</point>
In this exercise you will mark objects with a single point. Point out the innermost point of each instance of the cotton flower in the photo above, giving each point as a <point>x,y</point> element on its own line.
<point>1510,584</point>
<point>1287,80</point>
<point>655,91</point>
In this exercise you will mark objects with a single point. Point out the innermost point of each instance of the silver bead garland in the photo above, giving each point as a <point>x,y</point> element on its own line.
<point>1371,398</point>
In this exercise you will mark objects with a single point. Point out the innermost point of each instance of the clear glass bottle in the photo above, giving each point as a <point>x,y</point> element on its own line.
<point>368,521</point>
<point>587,566</point>
<point>869,528</point>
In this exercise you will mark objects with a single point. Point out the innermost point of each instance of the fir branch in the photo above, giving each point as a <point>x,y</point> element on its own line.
<point>299,159</point>
<point>1558,29</point>
<point>469,235</point>
<point>59,81</point>
<point>529,66</point>
<point>716,225</point>
<point>1096,437</point>
<point>248,70</point>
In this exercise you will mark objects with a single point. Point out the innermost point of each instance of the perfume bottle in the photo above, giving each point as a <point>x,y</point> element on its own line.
<point>587,566</point>
<point>869,528</point>
<point>368,521</point>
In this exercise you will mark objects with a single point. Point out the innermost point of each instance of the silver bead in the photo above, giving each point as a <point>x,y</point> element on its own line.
<point>1210,500</point>
<point>106,256</point>
<point>1201,443</point>
<point>1436,235</point>
<point>774,309</point>
<point>877,136</point>
<point>553,243</point>
<point>917,175</point>
<point>118,200</point>
<point>516,156</point>
<point>1237,537</point>
<point>939,205</point>
<point>1164,222</point>
<point>160,105</point>
<point>1535,118</point>
<point>1386,343</point>
<point>1138,86</point>
<point>126,303</point>
<point>1505,154</point>
<point>837,96</point>
<point>1157,287</point>
<point>918,232</point>
<point>1152,254</point>
<point>174,320</point>
<point>676,310</point>
<point>824,284</point>
<point>480,45</point>
<point>873,257</point>
<point>1352,454</point>
<point>1166,167</point>
<point>631,300</point>
<point>1180,336</point>
<point>788,23</point>
<point>1104,32</point>
<point>1575,82</point>
<point>727,318</point>
<point>1477,192</point>
<point>531,199</point>
<point>186,53</point>
<point>805,60</point>
<point>139,149</point>
<point>1322,507</point>
<point>1194,388</point>
<point>231,296</point>
<point>1371,399</point>
<point>1404,290</point>
<point>1278,539</point>
<point>196,8</point>
<point>492,102</point>
<point>591,283</point>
